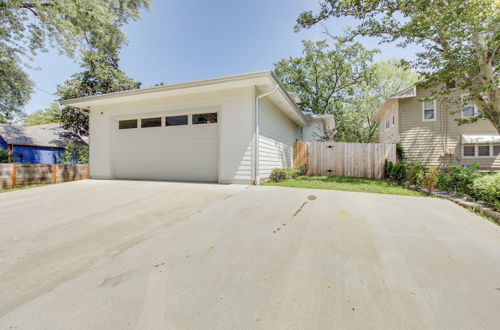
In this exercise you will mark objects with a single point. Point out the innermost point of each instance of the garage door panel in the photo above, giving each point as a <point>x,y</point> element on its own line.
<point>188,153</point>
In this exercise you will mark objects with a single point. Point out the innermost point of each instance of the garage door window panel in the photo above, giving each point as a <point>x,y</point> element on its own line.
<point>176,120</point>
<point>151,122</point>
<point>205,118</point>
<point>127,124</point>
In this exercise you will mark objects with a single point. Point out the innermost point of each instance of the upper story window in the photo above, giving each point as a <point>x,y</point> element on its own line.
<point>469,109</point>
<point>429,110</point>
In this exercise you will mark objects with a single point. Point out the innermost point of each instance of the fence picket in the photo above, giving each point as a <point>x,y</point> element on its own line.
<point>344,159</point>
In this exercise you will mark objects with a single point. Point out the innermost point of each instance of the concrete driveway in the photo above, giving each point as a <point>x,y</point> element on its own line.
<point>159,255</point>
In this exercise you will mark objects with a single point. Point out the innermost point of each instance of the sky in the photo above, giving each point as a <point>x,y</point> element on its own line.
<point>185,40</point>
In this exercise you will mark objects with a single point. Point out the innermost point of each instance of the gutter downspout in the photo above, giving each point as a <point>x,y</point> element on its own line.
<point>256,165</point>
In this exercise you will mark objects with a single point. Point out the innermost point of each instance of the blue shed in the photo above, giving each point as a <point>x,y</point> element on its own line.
<point>41,144</point>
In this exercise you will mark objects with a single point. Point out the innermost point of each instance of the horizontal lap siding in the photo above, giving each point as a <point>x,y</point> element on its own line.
<point>235,120</point>
<point>437,143</point>
<point>277,135</point>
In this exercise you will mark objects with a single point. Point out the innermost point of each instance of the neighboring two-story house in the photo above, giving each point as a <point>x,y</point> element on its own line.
<point>428,131</point>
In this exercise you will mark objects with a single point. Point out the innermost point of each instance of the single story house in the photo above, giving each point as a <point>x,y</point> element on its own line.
<point>40,144</point>
<point>232,129</point>
<point>428,131</point>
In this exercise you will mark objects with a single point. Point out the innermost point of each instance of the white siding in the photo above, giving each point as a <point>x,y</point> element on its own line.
<point>312,131</point>
<point>235,108</point>
<point>276,138</point>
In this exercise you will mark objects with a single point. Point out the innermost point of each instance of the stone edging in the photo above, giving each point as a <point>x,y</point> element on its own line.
<point>465,202</point>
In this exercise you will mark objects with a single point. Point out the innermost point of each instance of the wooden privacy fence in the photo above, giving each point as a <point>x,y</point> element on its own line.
<point>18,175</point>
<point>364,160</point>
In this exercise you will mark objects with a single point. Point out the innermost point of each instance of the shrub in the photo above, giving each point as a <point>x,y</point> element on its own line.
<point>388,168</point>
<point>282,174</point>
<point>399,172</point>
<point>400,153</point>
<point>459,180</point>
<point>487,188</point>
<point>416,174</point>
<point>431,179</point>
<point>301,171</point>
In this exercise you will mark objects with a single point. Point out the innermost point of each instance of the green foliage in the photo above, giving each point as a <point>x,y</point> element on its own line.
<point>46,116</point>
<point>399,172</point>
<point>416,173</point>
<point>487,188</point>
<point>101,75</point>
<point>431,179</point>
<point>347,184</point>
<point>75,154</point>
<point>400,153</point>
<point>325,77</point>
<point>4,156</point>
<point>457,179</point>
<point>28,27</point>
<point>388,168</point>
<point>282,174</point>
<point>459,39</point>
<point>356,114</point>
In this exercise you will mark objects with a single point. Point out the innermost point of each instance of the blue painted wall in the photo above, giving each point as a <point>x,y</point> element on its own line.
<point>37,155</point>
<point>3,145</point>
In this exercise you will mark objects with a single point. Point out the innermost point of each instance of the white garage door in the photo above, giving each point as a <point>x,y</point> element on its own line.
<point>183,148</point>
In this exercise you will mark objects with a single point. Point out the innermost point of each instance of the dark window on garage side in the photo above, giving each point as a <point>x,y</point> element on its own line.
<point>176,120</point>
<point>205,118</point>
<point>151,122</point>
<point>125,124</point>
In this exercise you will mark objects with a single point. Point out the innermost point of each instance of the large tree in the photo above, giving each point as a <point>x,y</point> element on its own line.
<point>101,75</point>
<point>325,77</point>
<point>460,38</point>
<point>356,113</point>
<point>44,116</point>
<point>28,27</point>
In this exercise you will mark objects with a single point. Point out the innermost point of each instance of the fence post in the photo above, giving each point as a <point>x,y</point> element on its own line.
<point>54,173</point>
<point>87,174</point>
<point>13,175</point>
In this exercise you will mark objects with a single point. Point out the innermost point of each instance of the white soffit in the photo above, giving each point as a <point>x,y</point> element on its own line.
<point>493,138</point>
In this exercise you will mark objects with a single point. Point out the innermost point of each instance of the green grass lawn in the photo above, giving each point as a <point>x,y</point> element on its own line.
<point>22,188</point>
<point>347,184</point>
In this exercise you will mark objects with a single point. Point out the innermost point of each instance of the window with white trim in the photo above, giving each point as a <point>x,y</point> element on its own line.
<point>469,109</point>
<point>481,150</point>
<point>429,110</point>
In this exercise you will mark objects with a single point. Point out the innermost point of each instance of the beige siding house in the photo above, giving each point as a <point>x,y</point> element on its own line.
<point>232,129</point>
<point>428,131</point>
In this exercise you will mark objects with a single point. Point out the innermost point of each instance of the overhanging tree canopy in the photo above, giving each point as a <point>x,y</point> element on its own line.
<point>460,38</point>
<point>28,27</point>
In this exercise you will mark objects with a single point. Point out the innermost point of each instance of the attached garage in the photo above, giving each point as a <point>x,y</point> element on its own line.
<point>233,129</point>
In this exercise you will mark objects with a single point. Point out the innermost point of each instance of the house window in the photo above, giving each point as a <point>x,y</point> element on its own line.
<point>496,150</point>
<point>483,151</point>
<point>429,110</point>
<point>126,124</point>
<point>176,120</point>
<point>469,109</point>
<point>469,151</point>
<point>151,122</point>
<point>205,118</point>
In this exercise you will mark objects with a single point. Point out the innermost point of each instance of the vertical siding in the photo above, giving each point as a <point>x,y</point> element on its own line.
<point>277,136</point>
<point>437,143</point>
<point>310,133</point>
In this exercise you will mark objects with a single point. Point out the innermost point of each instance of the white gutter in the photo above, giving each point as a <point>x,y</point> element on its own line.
<point>256,167</point>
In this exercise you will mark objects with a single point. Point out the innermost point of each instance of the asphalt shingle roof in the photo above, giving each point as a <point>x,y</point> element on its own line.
<point>48,135</point>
